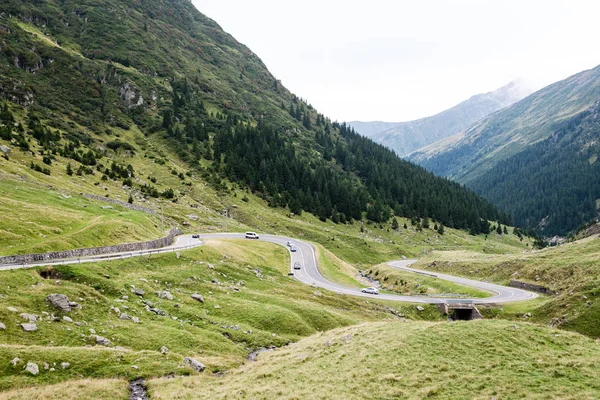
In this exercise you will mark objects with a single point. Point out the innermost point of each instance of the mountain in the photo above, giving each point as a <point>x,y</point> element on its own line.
<point>470,153</point>
<point>536,158</point>
<point>406,137</point>
<point>80,77</point>
<point>554,184</point>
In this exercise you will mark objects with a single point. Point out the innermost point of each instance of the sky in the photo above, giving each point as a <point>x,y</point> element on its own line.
<point>385,60</point>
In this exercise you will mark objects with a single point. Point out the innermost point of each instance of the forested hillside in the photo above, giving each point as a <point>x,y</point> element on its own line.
<point>552,186</point>
<point>75,74</point>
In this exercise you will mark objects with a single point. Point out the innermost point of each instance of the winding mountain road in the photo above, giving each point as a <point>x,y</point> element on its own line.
<point>309,272</point>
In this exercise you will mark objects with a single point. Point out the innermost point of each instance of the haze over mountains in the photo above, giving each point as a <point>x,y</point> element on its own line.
<point>406,137</point>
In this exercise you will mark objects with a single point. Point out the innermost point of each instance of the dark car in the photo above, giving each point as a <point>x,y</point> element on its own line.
<point>195,236</point>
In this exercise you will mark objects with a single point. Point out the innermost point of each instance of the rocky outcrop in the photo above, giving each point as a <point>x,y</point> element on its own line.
<point>195,364</point>
<point>59,301</point>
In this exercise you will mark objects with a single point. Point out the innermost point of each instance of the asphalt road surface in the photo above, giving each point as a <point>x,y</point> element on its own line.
<point>309,272</point>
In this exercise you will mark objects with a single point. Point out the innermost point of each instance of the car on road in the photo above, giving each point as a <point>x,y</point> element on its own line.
<point>195,236</point>
<point>297,266</point>
<point>370,290</point>
<point>289,244</point>
<point>251,235</point>
<point>293,249</point>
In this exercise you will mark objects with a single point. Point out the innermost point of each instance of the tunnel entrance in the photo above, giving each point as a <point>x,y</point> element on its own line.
<point>462,314</point>
<point>460,310</point>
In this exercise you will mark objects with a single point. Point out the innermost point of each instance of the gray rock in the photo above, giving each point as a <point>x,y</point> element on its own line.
<point>59,301</point>
<point>2,326</point>
<point>15,361</point>
<point>135,319</point>
<point>32,368</point>
<point>5,149</point>
<point>165,295</point>
<point>198,297</point>
<point>164,350</point>
<point>67,319</point>
<point>12,309</point>
<point>138,292</point>
<point>420,308</point>
<point>74,304</point>
<point>29,327</point>
<point>102,341</point>
<point>65,365</point>
<point>347,338</point>
<point>195,364</point>
<point>124,316</point>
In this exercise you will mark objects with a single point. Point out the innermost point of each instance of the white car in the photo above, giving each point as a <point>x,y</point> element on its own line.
<point>251,235</point>
<point>290,244</point>
<point>297,266</point>
<point>370,290</point>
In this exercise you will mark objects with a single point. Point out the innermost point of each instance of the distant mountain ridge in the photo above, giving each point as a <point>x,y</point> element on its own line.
<point>536,159</point>
<point>406,137</point>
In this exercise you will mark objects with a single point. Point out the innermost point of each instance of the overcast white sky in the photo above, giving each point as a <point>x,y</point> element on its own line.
<point>401,60</point>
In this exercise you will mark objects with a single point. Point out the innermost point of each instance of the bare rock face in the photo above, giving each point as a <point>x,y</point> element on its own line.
<point>59,301</point>
<point>198,297</point>
<point>195,364</point>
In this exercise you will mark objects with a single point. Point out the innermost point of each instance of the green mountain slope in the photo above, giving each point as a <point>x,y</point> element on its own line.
<point>406,137</point>
<point>95,85</point>
<point>470,154</point>
<point>552,185</point>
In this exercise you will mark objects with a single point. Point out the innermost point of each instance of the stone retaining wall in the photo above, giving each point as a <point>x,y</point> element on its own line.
<point>531,287</point>
<point>134,207</point>
<point>92,251</point>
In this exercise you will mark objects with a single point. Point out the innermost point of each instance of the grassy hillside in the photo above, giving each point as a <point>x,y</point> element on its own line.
<point>570,270</point>
<point>249,303</point>
<point>479,360</point>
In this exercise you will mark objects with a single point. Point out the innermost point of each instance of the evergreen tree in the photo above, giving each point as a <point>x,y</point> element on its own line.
<point>499,230</point>
<point>69,169</point>
<point>395,224</point>
<point>440,229</point>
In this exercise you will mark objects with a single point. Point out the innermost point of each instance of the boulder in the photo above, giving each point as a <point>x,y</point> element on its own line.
<point>32,368</point>
<point>29,327</point>
<point>420,308</point>
<point>102,341</point>
<point>15,361</point>
<point>59,301</point>
<point>65,365</point>
<point>164,350</point>
<point>165,295</point>
<point>138,291</point>
<point>12,309</point>
<point>67,319</point>
<point>5,149</point>
<point>135,319</point>
<point>124,316</point>
<point>2,326</point>
<point>198,297</point>
<point>195,364</point>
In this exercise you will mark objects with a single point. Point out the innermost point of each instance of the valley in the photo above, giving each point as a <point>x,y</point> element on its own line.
<point>145,128</point>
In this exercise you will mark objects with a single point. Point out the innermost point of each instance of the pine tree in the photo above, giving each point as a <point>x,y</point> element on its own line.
<point>130,200</point>
<point>69,169</point>
<point>505,231</point>
<point>394,224</point>
<point>440,229</point>
<point>499,230</point>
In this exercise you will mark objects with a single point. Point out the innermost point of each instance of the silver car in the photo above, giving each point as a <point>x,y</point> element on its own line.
<point>370,290</point>
<point>297,266</point>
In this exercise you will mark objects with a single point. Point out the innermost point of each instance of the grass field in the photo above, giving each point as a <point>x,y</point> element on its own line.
<point>249,303</point>
<point>475,360</point>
